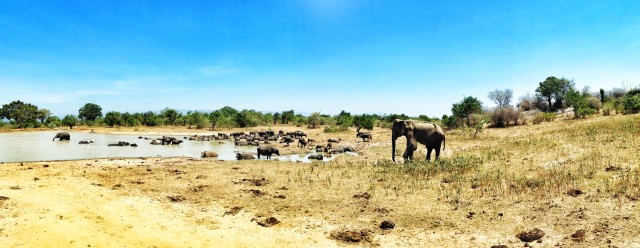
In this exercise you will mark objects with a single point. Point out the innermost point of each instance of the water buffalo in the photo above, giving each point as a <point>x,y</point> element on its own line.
<point>365,136</point>
<point>302,143</point>
<point>316,156</point>
<point>120,143</point>
<point>208,154</point>
<point>267,151</point>
<point>244,156</point>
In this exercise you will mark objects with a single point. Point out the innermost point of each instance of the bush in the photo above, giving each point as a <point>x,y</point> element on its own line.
<point>632,104</point>
<point>594,103</point>
<point>450,121</point>
<point>609,108</point>
<point>502,117</point>
<point>544,117</point>
<point>335,129</point>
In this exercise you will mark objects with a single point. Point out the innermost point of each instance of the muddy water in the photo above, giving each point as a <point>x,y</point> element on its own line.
<point>37,146</point>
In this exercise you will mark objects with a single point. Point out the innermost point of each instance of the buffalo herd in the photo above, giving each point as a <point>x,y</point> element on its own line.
<point>263,140</point>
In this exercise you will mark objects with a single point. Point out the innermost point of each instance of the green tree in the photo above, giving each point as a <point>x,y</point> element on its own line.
<point>198,119</point>
<point>364,121</point>
<point>128,119</point>
<point>276,117</point>
<point>314,120</point>
<point>171,115</point>
<point>113,118</point>
<point>215,118</point>
<point>90,112</point>
<point>344,120</point>
<point>287,116</point>
<point>23,114</point>
<point>602,95</point>
<point>228,111</point>
<point>53,122</point>
<point>464,109</point>
<point>267,119</point>
<point>70,121</point>
<point>300,120</point>
<point>449,121</point>
<point>43,114</point>
<point>554,88</point>
<point>502,98</point>
<point>632,101</point>
<point>149,119</point>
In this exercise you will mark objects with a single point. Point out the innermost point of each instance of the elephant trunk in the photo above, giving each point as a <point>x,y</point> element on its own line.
<point>393,146</point>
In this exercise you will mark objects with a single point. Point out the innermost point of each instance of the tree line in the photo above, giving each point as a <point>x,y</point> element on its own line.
<point>552,95</point>
<point>25,115</point>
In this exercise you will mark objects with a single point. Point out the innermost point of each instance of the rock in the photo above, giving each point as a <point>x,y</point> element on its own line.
<point>268,222</point>
<point>470,215</point>
<point>233,211</point>
<point>364,195</point>
<point>579,235</point>
<point>575,192</point>
<point>176,198</point>
<point>351,236</point>
<point>387,224</point>
<point>530,236</point>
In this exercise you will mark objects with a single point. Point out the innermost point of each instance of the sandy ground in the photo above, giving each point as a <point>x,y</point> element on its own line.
<point>187,202</point>
<point>62,204</point>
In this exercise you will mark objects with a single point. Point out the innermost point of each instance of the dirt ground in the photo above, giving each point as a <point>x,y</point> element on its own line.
<point>187,202</point>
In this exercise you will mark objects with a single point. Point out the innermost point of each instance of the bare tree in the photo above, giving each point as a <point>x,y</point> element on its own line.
<point>502,98</point>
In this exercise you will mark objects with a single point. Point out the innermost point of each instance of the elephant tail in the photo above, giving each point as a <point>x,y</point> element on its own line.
<point>444,142</point>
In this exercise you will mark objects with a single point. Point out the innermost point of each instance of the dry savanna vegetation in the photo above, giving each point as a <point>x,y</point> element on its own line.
<point>567,183</point>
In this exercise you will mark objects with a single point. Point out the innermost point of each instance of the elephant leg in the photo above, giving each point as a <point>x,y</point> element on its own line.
<point>429,149</point>
<point>437,153</point>
<point>408,155</point>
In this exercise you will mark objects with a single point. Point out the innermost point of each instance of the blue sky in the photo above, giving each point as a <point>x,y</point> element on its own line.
<point>412,57</point>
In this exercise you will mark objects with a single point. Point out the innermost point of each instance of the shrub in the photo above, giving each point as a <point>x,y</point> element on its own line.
<point>335,129</point>
<point>544,117</point>
<point>632,104</point>
<point>632,101</point>
<point>450,121</point>
<point>594,103</point>
<point>502,117</point>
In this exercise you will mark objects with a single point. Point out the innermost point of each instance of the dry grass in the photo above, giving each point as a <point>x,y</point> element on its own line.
<point>561,177</point>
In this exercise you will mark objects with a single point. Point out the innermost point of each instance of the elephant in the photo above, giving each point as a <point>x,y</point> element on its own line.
<point>429,134</point>
<point>244,156</point>
<point>267,151</point>
<point>365,136</point>
<point>208,154</point>
<point>62,136</point>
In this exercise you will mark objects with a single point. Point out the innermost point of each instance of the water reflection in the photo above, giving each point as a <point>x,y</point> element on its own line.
<point>37,146</point>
